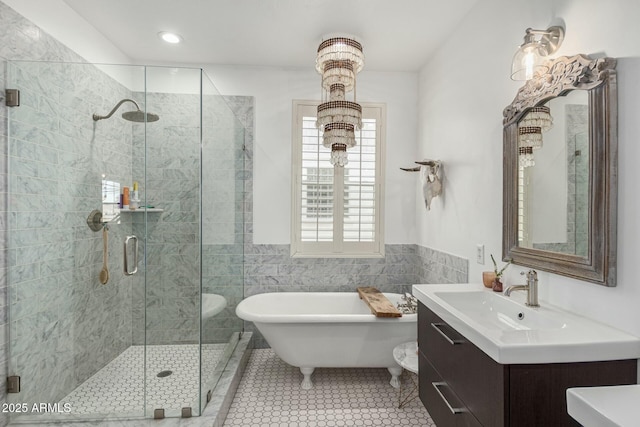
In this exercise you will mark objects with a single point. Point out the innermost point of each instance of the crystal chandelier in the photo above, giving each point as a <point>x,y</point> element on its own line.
<point>539,117</point>
<point>339,59</point>
<point>526,157</point>
<point>530,136</point>
<point>530,129</point>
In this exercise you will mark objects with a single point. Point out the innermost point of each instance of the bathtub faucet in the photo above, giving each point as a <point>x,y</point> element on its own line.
<point>408,304</point>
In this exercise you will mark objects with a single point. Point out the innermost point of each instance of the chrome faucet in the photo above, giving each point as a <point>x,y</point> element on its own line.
<point>531,287</point>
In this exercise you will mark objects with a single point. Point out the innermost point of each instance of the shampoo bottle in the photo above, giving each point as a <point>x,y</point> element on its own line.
<point>125,198</point>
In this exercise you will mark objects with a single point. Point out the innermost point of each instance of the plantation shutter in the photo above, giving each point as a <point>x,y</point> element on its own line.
<point>337,211</point>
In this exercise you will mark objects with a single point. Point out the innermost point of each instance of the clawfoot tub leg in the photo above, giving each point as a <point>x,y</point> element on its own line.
<point>395,372</point>
<point>306,381</point>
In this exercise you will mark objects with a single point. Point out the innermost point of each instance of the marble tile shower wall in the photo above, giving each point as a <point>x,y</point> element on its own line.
<point>62,115</point>
<point>65,325</point>
<point>270,268</point>
<point>173,243</point>
<point>19,39</point>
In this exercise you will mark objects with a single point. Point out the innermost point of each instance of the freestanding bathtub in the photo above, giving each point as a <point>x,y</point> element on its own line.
<point>328,330</point>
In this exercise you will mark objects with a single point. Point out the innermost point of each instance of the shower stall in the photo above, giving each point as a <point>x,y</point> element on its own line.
<point>125,240</point>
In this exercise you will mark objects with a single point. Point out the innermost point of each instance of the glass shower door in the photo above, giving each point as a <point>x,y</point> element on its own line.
<point>171,191</point>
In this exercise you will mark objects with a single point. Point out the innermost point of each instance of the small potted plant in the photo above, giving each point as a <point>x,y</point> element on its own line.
<point>497,283</point>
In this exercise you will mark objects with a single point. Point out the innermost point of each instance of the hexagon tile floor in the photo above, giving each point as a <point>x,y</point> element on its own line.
<point>269,395</point>
<point>118,388</point>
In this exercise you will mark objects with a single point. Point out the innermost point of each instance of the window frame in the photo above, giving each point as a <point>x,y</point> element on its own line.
<point>340,248</point>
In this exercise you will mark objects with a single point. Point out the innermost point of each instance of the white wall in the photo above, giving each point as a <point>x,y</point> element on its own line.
<point>463,90</point>
<point>274,89</point>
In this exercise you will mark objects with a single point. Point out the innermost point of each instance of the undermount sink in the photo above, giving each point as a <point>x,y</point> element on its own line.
<point>511,332</point>
<point>502,313</point>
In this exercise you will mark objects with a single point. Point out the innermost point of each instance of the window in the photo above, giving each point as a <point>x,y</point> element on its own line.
<point>317,192</point>
<point>337,211</point>
<point>524,233</point>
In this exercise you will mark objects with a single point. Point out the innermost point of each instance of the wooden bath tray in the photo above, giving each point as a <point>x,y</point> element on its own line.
<point>378,303</point>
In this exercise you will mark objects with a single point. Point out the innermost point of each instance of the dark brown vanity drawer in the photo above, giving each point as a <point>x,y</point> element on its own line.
<point>477,380</point>
<point>441,402</point>
<point>443,343</point>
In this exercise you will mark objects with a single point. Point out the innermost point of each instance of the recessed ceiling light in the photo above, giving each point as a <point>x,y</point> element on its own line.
<point>172,38</point>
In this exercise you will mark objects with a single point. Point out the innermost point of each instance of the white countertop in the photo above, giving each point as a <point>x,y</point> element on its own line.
<point>512,333</point>
<point>615,406</point>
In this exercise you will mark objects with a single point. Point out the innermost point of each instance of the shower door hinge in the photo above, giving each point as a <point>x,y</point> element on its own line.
<point>12,97</point>
<point>158,414</point>
<point>186,412</point>
<point>13,384</point>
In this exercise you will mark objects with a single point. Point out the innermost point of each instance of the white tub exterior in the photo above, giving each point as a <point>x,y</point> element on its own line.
<point>328,330</point>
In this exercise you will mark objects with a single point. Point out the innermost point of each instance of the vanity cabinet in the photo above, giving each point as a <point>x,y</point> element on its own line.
<point>462,386</point>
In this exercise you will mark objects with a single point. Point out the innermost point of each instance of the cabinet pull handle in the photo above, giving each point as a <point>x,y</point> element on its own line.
<point>135,256</point>
<point>451,341</point>
<point>454,411</point>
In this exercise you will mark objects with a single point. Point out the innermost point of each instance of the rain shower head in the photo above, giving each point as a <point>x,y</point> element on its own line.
<point>137,116</point>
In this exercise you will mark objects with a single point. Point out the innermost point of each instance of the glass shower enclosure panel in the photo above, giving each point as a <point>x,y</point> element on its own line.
<point>170,328</point>
<point>223,232</point>
<point>71,304</point>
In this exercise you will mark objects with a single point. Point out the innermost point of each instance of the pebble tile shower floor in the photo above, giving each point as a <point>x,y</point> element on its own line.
<point>118,387</point>
<point>269,395</point>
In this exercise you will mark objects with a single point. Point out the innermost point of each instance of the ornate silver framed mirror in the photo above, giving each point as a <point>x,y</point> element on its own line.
<point>560,171</point>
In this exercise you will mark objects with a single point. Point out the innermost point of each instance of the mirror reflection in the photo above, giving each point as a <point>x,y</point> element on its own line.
<point>553,171</point>
<point>110,200</point>
<point>560,180</point>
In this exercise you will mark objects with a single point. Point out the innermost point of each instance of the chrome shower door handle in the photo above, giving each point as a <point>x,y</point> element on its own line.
<point>135,256</point>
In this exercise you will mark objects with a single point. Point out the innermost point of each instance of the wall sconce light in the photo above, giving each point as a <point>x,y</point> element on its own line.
<point>529,58</point>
